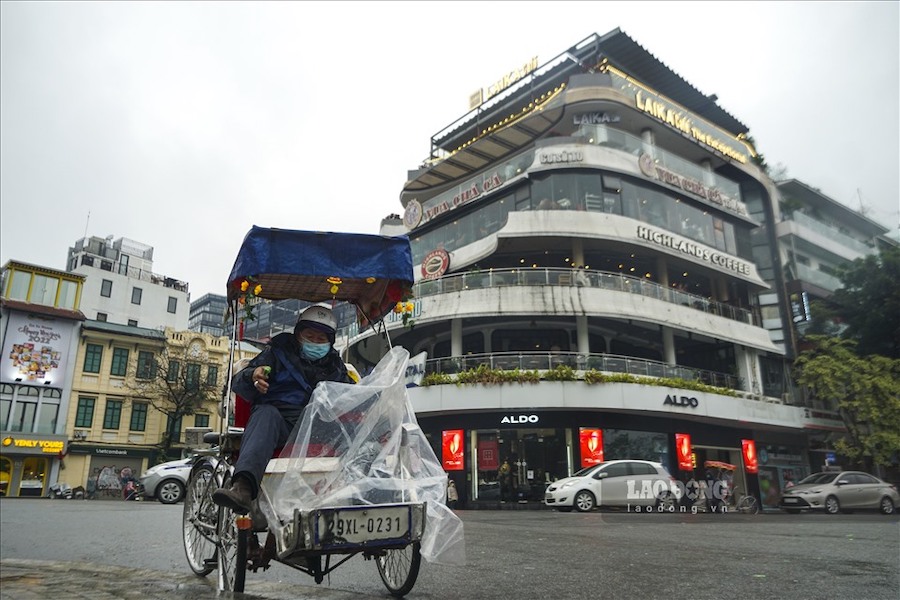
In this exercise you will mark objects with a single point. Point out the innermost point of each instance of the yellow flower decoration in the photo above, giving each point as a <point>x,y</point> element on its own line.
<point>405,310</point>
<point>249,299</point>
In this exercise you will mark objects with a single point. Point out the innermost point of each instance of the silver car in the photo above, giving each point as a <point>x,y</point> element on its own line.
<point>625,483</point>
<point>166,481</point>
<point>841,491</point>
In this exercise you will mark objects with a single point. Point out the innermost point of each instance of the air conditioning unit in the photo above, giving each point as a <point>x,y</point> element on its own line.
<point>80,434</point>
<point>193,436</point>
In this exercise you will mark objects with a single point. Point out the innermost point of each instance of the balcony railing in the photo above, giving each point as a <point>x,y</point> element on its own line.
<point>583,278</point>
<point>610,363</point>
<point>830,232</point>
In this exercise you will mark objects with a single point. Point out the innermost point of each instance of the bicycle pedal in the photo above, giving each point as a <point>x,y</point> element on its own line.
<point>210,562</point>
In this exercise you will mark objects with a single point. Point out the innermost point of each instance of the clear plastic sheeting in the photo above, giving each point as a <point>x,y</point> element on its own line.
<point>361,445</point>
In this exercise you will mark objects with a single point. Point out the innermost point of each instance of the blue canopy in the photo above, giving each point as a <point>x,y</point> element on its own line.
<point>372,271</point>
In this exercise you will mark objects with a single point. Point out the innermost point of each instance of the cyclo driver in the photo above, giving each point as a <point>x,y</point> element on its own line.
<point>278,384</point>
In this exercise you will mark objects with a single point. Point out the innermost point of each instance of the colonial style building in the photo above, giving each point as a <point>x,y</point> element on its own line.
<point>125,382</point>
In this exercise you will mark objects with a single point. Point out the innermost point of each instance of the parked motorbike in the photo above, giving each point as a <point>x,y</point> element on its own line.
<point>133,490</point>
<point>60,491</point>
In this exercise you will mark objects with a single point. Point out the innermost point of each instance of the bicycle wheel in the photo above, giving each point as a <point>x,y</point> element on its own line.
<point>198,522</point>
<point>399,569</point>
<point>749,504</point>
<point>232,552</point>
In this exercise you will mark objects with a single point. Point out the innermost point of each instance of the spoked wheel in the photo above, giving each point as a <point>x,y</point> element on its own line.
<point>749,505</point>
<point>399,569</point>
<point>199,520</point>
<point>232,552</point>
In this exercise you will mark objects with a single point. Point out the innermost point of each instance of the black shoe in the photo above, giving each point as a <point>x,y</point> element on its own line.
<point>239,497</point>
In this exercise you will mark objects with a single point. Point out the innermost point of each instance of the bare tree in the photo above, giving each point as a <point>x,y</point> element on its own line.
<point>172,383</point>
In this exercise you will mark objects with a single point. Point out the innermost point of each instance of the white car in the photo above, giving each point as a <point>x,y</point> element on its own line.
<point>625,483</point>
<point>166,481</point>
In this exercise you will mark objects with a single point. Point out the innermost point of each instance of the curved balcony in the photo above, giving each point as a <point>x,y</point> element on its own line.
<point>609,363</point>
<point>495,278</point>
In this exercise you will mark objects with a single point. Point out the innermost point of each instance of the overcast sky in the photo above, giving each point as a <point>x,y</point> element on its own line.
<point>181,125</point>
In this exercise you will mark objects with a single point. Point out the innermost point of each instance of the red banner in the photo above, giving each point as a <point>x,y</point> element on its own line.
<point>453,450</point>
<point>591,446</point>
<point>751,461</point>
<point>683,451</point>
<point>488,455</point>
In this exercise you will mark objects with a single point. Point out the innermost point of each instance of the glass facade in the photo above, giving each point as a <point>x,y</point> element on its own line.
<point>29,409</point>
<point>591,191</point>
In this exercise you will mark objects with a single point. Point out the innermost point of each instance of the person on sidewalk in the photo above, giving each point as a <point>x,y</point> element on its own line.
<point>278,383</point>
<point>452,495</point>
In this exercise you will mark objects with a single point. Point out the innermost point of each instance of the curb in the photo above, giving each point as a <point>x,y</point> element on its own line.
<point>26,579</point>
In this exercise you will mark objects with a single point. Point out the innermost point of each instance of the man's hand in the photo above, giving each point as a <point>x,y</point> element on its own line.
<point>260,379</point>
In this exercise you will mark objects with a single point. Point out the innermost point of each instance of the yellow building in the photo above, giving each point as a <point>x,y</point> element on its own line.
<point>126,384</point>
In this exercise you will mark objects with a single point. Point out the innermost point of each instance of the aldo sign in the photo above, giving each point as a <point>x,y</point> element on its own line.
<point>682,401</point>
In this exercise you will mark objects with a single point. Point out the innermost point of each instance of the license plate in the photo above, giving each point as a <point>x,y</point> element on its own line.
<point>791,500</point>
<point>359,525</point>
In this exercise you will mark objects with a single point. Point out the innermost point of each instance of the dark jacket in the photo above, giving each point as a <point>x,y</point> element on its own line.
<point>292,378</point>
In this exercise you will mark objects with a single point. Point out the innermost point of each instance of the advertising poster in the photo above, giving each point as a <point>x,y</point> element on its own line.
<point>684,452</point>
<point>453,454</point>
<point>751,460</point>
<point>488,455</point>
<point>591,442</point>
<point>36,349</point>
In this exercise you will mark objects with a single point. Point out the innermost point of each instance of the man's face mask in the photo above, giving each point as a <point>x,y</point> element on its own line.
<point>313,351</point>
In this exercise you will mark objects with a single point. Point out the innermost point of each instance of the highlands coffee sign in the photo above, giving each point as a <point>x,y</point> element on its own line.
<point>685,246</point>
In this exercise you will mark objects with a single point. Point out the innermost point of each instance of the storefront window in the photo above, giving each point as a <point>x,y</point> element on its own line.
<point>517,465</point>
<point>5,475</point>
<point>34,471</point>
<point>621,444</point>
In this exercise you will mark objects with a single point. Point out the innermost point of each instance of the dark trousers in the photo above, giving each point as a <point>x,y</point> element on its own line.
<point>266,430</point>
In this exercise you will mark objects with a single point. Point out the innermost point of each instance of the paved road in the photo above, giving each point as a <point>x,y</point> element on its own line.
<point>100,550</point>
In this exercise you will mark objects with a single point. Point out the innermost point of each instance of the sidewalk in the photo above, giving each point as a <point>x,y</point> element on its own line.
<point>38,580</point>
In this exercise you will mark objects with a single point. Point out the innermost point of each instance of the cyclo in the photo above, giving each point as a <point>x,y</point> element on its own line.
<point>357,476</point>
<point>725,492</point>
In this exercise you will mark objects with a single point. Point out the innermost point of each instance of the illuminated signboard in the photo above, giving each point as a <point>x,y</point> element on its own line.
<point>476,98</point>
<point>453,450</point>
<point>591,442</point>
<point>683,452</point>
<point>36,350</point>
<point>679,118</point>
<point>751,459</point>
<point>23,444</point>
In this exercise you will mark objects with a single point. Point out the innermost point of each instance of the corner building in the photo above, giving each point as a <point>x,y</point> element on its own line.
<point>596,212</point>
